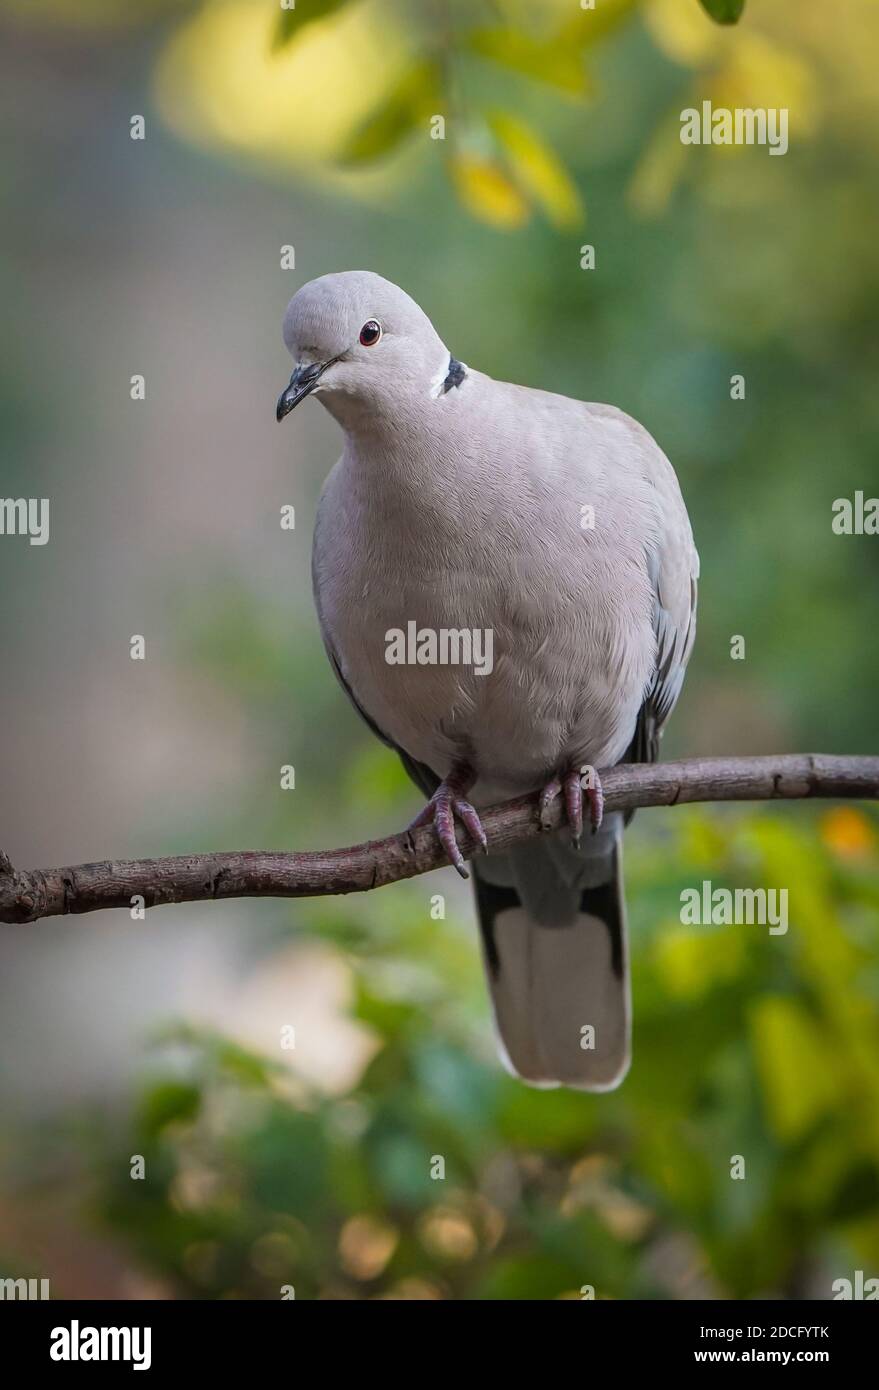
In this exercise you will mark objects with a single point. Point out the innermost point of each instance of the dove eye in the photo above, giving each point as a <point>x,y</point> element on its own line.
<point>370,333</point>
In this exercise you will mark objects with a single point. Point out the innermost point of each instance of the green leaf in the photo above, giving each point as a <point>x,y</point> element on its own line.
<point>288,1164</point>
<point>554,1121</point>
<point>244,1066</point>
<point>390,1018</point>
<point>724,11</point>
<point>168,1103</point>
<point>537,169</point>
<point>414,98</point>
<point>553,62</point>
<point>526,1277</point>
<point>213,1052</point>
<point>400,1168</point>
<point>290,23</point>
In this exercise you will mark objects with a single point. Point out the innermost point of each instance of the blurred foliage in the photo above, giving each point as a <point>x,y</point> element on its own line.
<point>217,81</point>
<point>745,1044</point>
<point>709,263</point>
<point>724,11</point>
<point>497,162</point>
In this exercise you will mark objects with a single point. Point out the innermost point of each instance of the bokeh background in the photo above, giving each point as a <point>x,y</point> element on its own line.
<point>311,1166</point>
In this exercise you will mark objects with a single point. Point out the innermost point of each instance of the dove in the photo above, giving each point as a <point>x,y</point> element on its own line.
<point>550,536</point>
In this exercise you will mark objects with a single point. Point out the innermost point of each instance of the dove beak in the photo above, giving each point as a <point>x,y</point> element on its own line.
<point>302,383</point>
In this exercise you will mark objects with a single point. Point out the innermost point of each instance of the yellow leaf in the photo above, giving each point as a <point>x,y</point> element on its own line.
<point>757,72</point>
<point>847,832</point>
<point>660,169</point>
<point>290,23</point>
<point>684,32</point>
<point>587,27</point>
<point>795,1063</point>
<point>219,85</point>
<point>487,192</point>
<point>690,966</point>
<point>553,62</point>
<point>537,169</point>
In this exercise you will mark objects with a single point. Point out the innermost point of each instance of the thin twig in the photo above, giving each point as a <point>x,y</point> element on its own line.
<point>27,895</point>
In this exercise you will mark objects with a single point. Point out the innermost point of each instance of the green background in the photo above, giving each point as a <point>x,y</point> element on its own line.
<point>312,1166</point>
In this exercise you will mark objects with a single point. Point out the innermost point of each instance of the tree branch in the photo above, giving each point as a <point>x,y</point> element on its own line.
<point>26,895</point>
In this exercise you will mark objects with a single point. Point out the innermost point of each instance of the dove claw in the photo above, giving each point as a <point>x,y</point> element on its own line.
<point>469,817</point>
<point>447,802</point>
<point>547,797</point>
<point>574,806</point>
<point>572,788</point>
<point>596,804</point>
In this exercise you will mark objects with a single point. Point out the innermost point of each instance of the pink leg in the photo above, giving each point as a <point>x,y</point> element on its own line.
<point>571,786</point>
<point>447,802</point>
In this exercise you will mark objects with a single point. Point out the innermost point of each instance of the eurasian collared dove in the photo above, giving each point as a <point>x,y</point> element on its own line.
<point>550,537</point>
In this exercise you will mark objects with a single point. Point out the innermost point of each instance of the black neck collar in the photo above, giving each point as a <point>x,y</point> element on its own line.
<point>455,375</point>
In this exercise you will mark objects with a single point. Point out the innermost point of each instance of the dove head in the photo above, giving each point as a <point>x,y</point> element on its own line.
<point>363,345</point>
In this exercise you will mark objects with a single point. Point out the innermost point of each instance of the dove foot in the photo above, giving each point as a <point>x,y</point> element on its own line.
<point>571,787</point>
<point>447,802</point>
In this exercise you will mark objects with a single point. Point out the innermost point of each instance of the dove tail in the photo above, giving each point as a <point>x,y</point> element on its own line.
<point>554,944</point>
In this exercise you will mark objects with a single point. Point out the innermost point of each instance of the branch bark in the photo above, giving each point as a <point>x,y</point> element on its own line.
<point>27,895</point>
